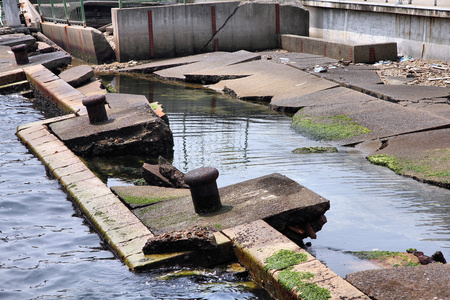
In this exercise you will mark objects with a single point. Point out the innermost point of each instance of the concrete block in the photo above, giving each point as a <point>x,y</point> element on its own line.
<point>60,159</point>
<point>70,169</point>
<point>78,75</point>
<point>86,43</point>
<point>82,181</point>
<point>365,53</point>
<point>133,246</point>
<point>126,233</point>
<point>112,217</point>
<point>81,195</point>
<point>94,204</point>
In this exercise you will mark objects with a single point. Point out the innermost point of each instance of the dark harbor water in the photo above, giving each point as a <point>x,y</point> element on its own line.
<point>47,251</point>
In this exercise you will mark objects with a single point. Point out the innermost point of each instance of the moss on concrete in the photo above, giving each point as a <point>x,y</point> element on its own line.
<point>283,259</point>
<point>309,150</point>
<point>142,200</point>
<point>388,259</point>
<point>337,127</point>
<point>431,167</point>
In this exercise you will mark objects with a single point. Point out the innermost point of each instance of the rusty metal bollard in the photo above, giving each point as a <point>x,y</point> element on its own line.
<point>21,54</point>
<point>95,106</point>
<point>204,191</point>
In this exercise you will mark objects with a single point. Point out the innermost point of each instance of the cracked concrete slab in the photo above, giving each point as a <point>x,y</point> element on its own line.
<point>383,118</point>
<point>207,63</point>
<point>398,93</point>
<point>269,81</point>
<point>420,155</point>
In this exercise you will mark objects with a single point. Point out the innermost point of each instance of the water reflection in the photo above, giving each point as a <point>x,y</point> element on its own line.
<point>371,207</point>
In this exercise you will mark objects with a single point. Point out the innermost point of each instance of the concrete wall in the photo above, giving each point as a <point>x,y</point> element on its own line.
<point>178,30</point>
<point>367,53</point>
<point>88,43</point>
<point>419,32</point>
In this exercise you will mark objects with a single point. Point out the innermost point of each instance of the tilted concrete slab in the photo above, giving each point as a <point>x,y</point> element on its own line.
<point>139,196</point>
<point>257,241</point>
<point>50,60</point>
<point>209,62</point>
<point>268,81</point>
<point>244,202</point>
<point>333,96</point>
<point>422,155</point>
<point>406,93</point>
<point>384,119</point>
<point>78,75</point>
<point>353,78</point>
<point>422,282</point>
<point>132,127</point>
<point>16,39</point>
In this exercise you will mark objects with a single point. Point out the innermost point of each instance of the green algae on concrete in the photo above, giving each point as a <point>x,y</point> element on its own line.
<point>283,260</point>
<point>430,167</point>
<point>388,259</point>
<point>337,127</point>
<point>310,150</point>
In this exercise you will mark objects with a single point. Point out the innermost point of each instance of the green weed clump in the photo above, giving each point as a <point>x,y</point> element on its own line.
<point>337,127</point>
<point>386,160</point>
<point>284,260</point>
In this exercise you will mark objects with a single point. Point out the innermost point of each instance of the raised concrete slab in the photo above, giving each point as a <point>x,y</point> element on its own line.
<point>78,75</point>
<point>405,93</point>
<point>422,155</point>
<point>167,63</point>
<point>269,81</point>
<point>365,53</point>
<point>132,127</point>
<point>16,39</point>
<point>256,242</point>
<point>421,282</point>
<point>244,202</point>
<point>209,62</point>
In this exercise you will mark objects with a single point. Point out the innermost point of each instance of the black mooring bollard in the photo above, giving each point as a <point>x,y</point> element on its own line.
<point>21,54</point>
<point>95,106</point>
<point>204,191</point>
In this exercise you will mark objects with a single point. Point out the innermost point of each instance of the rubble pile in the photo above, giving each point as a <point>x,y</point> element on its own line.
<point>421,72</point>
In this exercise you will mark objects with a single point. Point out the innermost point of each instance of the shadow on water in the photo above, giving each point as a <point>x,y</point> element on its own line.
<point>371,207</point>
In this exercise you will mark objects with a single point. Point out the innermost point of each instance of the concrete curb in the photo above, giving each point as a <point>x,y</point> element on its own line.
<point>257,241</point>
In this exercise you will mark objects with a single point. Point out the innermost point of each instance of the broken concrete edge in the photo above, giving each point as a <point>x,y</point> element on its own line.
<point>256,242</point>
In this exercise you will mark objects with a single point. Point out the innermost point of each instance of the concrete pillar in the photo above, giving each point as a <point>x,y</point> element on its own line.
<point>11,13</point>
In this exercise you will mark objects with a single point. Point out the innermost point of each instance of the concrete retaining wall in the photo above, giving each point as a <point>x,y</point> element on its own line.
<point>368,53</point>
<point>418,31</point>
<point>88,43</point>
<point>179,30</point>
